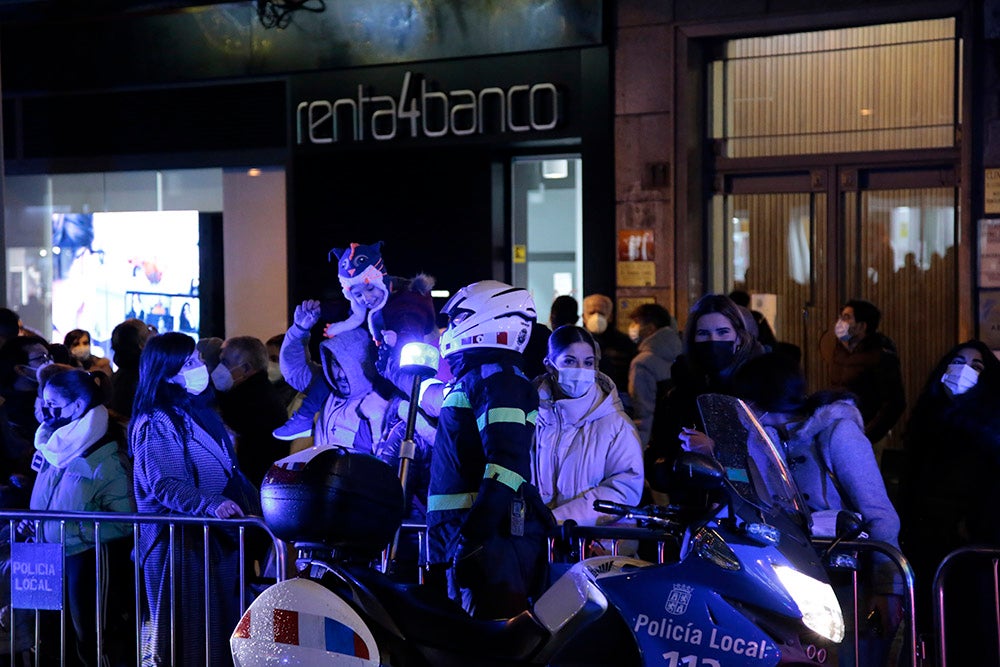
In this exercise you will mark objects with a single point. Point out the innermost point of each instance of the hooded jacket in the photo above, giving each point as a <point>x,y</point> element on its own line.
<point>834,467</point>
<point>651,365</point>
<point>585,449</point>
<point>351,419</point>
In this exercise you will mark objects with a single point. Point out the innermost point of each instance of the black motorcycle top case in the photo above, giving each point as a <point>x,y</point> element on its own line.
<point>340,499</point>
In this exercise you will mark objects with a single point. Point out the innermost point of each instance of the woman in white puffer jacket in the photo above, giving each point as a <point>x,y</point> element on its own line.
<point>585,448</point>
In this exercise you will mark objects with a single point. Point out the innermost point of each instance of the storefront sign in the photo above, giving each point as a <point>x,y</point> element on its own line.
<point>36,576</point>
<point>421,110</point>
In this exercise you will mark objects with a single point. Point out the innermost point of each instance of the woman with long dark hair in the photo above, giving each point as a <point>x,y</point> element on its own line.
<point>719,337</point>
<point>949,493</point>
<point>183,461</point>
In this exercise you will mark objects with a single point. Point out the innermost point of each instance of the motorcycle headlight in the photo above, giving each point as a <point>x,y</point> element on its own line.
<point>816,600</point>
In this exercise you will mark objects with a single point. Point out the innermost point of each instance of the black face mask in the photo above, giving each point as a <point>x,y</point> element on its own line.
<point>714,355</point>
<point>54,418</point>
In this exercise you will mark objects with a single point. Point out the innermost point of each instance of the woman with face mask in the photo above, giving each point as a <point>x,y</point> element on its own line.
<point>77,342</point>
<point>183,462</point>
<point>585,446</point>
<point>718,338</point>
<point>949,493</point>
<point>81,465</point>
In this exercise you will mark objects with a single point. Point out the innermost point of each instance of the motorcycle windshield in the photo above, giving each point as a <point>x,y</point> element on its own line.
<point>753,463</point>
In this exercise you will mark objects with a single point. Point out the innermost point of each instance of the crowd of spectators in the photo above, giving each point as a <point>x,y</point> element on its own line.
<point>171,424</point>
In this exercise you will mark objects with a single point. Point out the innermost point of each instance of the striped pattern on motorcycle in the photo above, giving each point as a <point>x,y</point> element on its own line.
<point>309,631</point>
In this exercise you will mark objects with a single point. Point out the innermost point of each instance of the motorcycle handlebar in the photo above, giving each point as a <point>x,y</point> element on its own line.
<point>617,509</point>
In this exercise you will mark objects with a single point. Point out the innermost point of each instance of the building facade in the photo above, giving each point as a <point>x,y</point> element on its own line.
<point>805,153</point>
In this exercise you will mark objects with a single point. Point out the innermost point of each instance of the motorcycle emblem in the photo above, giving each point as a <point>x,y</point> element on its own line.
<point>677,601</point>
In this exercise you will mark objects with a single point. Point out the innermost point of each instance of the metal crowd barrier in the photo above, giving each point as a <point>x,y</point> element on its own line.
<point>981,560</point>
<point>96,520</point>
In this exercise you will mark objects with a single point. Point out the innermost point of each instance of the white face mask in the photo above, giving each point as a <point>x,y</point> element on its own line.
<point>195,380</point>
<point>633,332</point>
<point>960,378</point>
<point>575,382</point>
<point>842,330</point>
<point>81,352</point>
<point>222,378</point>
<point>274,371</point>
<point>596,323</point>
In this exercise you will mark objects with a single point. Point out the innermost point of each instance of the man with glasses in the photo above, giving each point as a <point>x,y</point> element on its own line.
<point>20,359</point>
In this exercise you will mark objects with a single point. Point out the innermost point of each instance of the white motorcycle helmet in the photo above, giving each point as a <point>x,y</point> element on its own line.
<point>488,314</point>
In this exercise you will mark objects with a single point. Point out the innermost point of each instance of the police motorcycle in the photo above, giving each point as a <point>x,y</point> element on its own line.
<point>340,510</point>
<point>748,587</point>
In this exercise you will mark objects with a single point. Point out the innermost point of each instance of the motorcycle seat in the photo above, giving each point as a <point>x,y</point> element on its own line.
<point>428,617</point>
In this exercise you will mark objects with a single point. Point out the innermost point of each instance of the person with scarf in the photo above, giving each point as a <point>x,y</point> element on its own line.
<point>183,462</point>
<point>81,466</point>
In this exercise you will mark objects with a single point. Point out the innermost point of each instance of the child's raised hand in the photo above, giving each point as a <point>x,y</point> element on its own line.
<point>306,314</point>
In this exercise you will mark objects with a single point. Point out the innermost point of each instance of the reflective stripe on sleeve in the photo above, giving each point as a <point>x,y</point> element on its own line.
<point>456,399</point>
<point>505,476</point>
<point>501,415</point>
<point>450,501</point>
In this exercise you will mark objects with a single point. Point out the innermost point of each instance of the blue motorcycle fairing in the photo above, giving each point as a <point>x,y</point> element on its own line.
<point>673,616</point>
<point>675,610</point>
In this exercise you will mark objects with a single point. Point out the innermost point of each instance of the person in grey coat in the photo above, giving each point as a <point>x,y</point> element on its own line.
<point>652,328</point>
<point>183,461</point>
<point>830,458</point>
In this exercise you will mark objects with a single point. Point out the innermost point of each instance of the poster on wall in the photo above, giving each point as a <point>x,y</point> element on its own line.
<point>108,267</point>
<point>636,254</point>
<point>991,191</point>
<point>989,318</point>
<point>626,306</point>
<point>989,253</point>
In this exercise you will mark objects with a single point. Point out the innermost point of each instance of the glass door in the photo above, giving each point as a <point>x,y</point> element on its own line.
<point>900,233</point>
<point>774,243</point>
<point>547,228</point>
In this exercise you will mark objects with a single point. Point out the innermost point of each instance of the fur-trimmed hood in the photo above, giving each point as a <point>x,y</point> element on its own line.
<point>825,417</point>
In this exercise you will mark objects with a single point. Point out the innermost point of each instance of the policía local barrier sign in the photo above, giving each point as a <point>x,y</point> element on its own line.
<point>36,575</point>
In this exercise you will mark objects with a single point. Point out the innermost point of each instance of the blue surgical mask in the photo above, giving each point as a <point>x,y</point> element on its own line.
<point>575,382</point>
<point>842,330</point>
<point>195,379</point>
<point>960,378</point>
<point>222,378</point>
<point>274,371</point>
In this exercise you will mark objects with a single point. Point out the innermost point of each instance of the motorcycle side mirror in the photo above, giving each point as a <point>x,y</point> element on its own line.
<point>704,472</point>
<point>849,525</point>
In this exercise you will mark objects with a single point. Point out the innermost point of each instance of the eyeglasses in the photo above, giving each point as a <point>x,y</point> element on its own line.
<point>40,359</point>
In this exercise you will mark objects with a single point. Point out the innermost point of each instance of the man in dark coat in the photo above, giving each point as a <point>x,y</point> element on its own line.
<point>251,406</point>
<point>865,363</point>
<point>617,349</point>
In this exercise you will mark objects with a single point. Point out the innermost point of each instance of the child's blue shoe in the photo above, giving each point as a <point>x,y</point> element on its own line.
<point>298,425</point>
